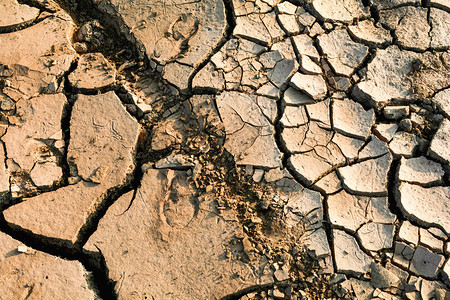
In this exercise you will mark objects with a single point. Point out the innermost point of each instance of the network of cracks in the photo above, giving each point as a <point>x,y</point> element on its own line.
<point>224,149</point>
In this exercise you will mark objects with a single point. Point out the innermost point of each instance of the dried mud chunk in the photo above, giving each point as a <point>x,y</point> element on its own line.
<point>171,32</point>
<point>426,263</point>
<point>176,240</point>
<point>39,275</point>
<point>442,98</point>
<point>35,138</point>
<point>340,10</point>
<point>341,52</point>
<point>425,205</point>
<point>350,211</point>
<point>367,32</point>
<point>93,72</point>
<point>38,54</point>
<point>352,119</point>
<point>440,25</point>
<point>312,85</point>
<point>350,259</point>
<point>420,170</point>
<point>375,237</point>
<point>103,139</point>
<point>396,74</point>
<point>250,135</point>
<point>102,134</point>
<point>58,214</point>
<point>368,177</point>
<point>440,144</point>
<point>410,26</point>
<point>15,13</point>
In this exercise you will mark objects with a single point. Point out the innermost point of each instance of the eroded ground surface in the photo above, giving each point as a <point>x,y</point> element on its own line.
<point>224,149</point>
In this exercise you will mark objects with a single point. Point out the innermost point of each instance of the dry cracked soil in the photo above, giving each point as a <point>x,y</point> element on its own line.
<point>224,149</point>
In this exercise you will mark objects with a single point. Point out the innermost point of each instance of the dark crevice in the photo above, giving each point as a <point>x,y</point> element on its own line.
<point>65,121</point>
<point>247,290</point>
<point>93,262</point>
<point>227,35</point>
<point>392,187</point>
<point>23,25</point>
<point>43,6</point>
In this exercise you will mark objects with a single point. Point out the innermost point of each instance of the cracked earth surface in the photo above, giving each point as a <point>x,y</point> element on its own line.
<point>224,149</point>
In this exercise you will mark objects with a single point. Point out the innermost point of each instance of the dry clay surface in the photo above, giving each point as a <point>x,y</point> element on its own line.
<point>225,149</point>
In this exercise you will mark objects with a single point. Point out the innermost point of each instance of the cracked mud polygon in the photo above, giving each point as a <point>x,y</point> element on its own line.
<point>224,149</point>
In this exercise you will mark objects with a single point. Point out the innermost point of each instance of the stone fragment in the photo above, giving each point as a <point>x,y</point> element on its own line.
<point>93,72</point>
<point>177,73</point>
<point>405,144</point>
<point>375,236</point>
<point>14,13</point>
<point>440,144</point>
<point>174,161</point>
<point>395,112</point>
<point>176,236</point>
<point>295,97</point>
<point>305,18</point>
<point>440,27</point>
<point>350,259</point>
<point>352,119</point>
<point>382,278</point>
<point>426,263</point>
<point>340,10</point>
<point>37,55</point>
<point>32,140</point>
<point>366,32</point>
<point>313,85</point>
<point>45,174</point>
<point>250,136</point>
<point>420,170</point>
<point>349,211</point>
<point>410,26</point>
<point>425,205</point>
<point>58,214</point>
<point>38,275</point>
<point>343,55</point>
<point>367,177</point>
<point>409,233</point>
<point>385,132</point>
